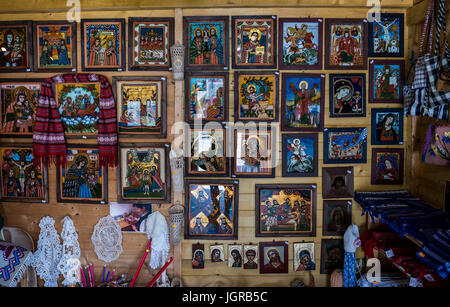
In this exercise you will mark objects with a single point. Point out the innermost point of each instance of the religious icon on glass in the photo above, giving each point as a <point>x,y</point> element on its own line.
<point>149,43</point>
<point>21,180</point>
<point>387,126</point>
<point>141,106</point>
<point>300,43</point>
<point>304,257</point>
<point>345,44</point>
<point>143,175</point>
<point>19,101</point>
<point>103,44</point>
<point>273,257</point>
<point>300,155</point>
<point>347,95</point>
<point>82,179</point>
<point>206,40</point>
<point>386,79</point>
<point>345,145</point>
<point>16,46</point>
<point>212,209</point>
<point>387,166</point>
<point>254,42</point>
<point>55,46</point>
<point>386,36</point>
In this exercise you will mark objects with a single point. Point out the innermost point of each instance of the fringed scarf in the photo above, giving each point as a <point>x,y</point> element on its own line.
<point>49,144</point>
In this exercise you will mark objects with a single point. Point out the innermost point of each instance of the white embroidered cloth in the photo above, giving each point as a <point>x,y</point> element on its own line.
<point>156,228</point>
<point>70,260</point>
<point>107,239</point>
<point>48,254</point>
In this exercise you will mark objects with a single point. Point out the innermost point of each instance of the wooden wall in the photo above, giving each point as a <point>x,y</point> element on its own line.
<point>27,216</point>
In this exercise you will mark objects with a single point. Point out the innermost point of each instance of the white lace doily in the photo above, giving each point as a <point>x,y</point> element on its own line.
<point>107,239</point>
<point>46,258</point>
<point>70,260</point>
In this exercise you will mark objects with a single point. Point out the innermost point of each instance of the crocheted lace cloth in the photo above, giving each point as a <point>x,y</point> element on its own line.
<point>107,239</point>
<point>48,254</point>
<point>156,228</point>
<point>70,260</point>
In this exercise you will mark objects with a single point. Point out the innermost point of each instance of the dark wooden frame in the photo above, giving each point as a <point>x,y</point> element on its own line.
<point>323,253</point>
<point>131,21</point>
<point>363,94</point>
<point>187,88</point>
<point>401,17</point>
<point>186,40</point>
<point>234,20</point>
<point>116,82</point>
<point>347,172</point>
<point>372,64</point>
<point>262,255</point>
<point>82,201</point>
<point>187,164</point>
<point>328,23</point>
<point>315,138</point>
<point>401,163</point>
<point>281,64</point>
<point>326,135</point>
<point>235,184</point>
<point>17,134</point>
<point>276,187</point>
<point>74,46</point>
<point>168,174</point>
<point>237,89</point>
<point>272,142</point>
<point>45,182</point>
<point>284,127</point>
<point>374,140</point>
<point>29,45</point>
<point>348,217</point>
<point>122,57</point>
<point>77,135</point>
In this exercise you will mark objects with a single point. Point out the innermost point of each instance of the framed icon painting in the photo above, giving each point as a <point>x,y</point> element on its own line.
<point>273,257</point>
<point>337,182</point>
<point>304,257</point>
<point>347,95</point>
<point>16,46</point>
<point>256,96</point>
<point>345,44</point>
<point>207,153</point>
<point>253,153</point>
<point>386,79</point>
<point>235,256</point>
<point>211,209</point>
<point>79,107</point>
<point>55,46</point>
<point>149,41</point>
<point>198,256</point>
<point>285,210</point>
<point>300,43</point>
<point>206,97</point>
<point>337,216</point>
<point>387,126</point>
<point>103,44</point>
<point>143,174</point>
<point>387,166</point>
<point>345,145</point>
<point>386,38</point>
<point>300,157</point>
<point>217,253</point>
<point>141,106</point>
<point>22,180</point>
<point>302,102</point>
<point>82,179</point>
<point>19,101</point>
<point>206,41</point>
<point>250,257</point>
<point>332,255</point>
<point>254,42</point>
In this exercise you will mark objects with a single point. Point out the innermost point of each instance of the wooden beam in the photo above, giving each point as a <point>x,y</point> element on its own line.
<point>41,6</point>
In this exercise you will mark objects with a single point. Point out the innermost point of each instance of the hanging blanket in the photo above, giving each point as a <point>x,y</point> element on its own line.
<point>14,261</point>
<point>48,137</point>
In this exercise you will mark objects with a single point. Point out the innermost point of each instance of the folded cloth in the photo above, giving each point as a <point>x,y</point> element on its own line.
<point>14,261</point>
<point>48,133</point>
